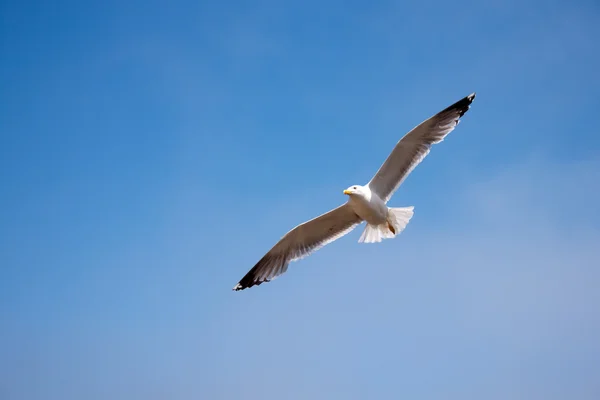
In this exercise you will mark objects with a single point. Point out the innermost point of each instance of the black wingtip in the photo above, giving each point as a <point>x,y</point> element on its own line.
<point>462,106</point>
<point>252,278</point>
<point>265,270</point>
<point>241,285</point>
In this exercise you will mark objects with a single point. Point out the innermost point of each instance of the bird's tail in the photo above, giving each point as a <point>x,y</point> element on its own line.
<point>397,220</point>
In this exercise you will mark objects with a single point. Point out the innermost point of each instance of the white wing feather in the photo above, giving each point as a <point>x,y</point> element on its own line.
<point>301,241</point>
<point>415,146</point>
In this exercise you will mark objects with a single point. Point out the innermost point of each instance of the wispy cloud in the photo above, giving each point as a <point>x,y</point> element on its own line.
<point>513,270</point>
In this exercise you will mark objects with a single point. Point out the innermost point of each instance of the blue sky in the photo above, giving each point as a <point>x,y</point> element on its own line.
<point>151,152</point>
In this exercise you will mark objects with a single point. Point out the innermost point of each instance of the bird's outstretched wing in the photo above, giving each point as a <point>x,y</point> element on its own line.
<point>415,146</point>
<point>300,242</point>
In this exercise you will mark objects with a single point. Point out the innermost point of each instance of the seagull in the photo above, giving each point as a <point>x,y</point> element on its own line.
<point>365,203</point>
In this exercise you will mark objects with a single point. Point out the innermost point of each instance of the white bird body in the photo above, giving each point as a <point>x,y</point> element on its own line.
<point>383,222</point>
<point>366,203</point>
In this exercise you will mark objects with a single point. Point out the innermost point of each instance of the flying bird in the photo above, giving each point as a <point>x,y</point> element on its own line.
<point>365,203</point>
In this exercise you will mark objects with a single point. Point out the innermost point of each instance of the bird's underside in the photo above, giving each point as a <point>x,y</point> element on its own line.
<point>311,235</point>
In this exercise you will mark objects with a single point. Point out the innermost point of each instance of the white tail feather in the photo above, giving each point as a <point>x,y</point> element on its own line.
<point>398,218</point>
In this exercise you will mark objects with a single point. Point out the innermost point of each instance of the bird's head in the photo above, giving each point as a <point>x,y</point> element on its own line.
<point>354,190</point>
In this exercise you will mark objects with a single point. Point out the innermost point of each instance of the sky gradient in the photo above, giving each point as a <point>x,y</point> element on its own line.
<point>151,152</point>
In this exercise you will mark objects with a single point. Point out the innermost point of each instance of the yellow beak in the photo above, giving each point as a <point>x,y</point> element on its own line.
<point>347,192</point>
